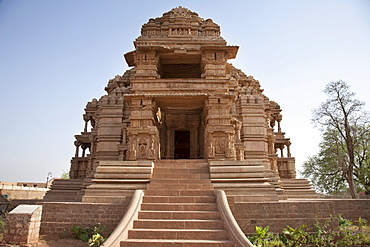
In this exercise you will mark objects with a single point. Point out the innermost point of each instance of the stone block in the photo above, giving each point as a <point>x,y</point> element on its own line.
<point>23,225</point>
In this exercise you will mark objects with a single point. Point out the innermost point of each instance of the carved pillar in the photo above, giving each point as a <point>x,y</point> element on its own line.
<point>279,118</point>
<point>77,144</point>
<point>168,146</point>
<point>152,147</point>
<point>131,153</point>
<point>193,142</point>
<point>211,147</point>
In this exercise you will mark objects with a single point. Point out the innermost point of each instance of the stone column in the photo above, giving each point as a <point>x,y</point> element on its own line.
<point>168,146</point>
<point>193,142</point>
<point>77,144</point>
<point>288,149</point>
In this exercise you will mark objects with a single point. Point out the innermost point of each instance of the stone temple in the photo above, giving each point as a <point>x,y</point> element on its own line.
<point>180,127</point>
<point>182,101</point>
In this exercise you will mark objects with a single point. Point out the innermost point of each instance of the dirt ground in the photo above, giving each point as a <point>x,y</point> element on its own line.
<point>43,242</point>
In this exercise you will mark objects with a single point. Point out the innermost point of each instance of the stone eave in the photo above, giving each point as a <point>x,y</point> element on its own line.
<point>231,50</point>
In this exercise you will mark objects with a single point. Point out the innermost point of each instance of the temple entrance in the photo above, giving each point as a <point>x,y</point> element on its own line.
<point>181,127</point>
<point>182,144</point>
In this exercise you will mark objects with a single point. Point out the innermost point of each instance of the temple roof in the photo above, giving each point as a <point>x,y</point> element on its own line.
<point>180,24</point>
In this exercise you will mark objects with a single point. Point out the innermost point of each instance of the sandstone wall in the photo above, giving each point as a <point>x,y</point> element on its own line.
<point>278,215</point>
<point>24,193</point>
<point>58,218</point>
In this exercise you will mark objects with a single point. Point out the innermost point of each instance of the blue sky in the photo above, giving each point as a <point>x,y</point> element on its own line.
<point>55,56</point>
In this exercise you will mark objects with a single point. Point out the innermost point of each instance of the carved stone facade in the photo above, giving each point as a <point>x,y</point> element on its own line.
<point>183,100</point>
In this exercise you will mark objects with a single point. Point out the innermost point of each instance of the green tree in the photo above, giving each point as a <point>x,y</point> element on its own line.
<point>326,169</point>
<point>64,175</point>
<point>344,125</point>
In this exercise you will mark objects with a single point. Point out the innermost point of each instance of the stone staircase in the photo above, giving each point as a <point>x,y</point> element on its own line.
<point>299,189</point>
<point>179,209</point>
<point>64,190</point>
<point>116,181</point>
<point>243,181</point>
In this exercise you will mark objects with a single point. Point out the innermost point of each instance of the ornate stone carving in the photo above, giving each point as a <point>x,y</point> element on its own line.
<point>172,24</point>
<point>220,145</point>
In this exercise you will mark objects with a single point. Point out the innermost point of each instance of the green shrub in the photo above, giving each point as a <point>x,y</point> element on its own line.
<point>336,231</point>
<point>294,237</point>
<point>92,235</point>
<point>82,233</point>
<point>2,226</point>
<point>263,238</point>
<point>96,240</point>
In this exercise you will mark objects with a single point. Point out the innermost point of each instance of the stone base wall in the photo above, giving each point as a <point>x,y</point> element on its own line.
<point>23,193</point>
<point>59,217</point>
<point>279,215</point>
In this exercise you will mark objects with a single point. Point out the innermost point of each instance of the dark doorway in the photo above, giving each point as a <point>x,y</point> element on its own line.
<point>182,144</point>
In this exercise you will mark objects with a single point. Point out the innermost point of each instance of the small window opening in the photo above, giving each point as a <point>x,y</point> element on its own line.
<point>180,66</point>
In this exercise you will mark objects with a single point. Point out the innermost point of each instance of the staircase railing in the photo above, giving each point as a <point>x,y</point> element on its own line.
<point>231,225</point>
<point>121,231</point>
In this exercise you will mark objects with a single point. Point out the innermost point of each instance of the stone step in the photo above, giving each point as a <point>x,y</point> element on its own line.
<point>120,181</point>
<point>301,191</point>
<point>251,185</point>
<point>193,234</point>
<point>61,195</point>
<point>295,180</point>
<point>179,215</point>
<point>101,186</point>
<point>179,206</point>
<point>238,175</point>
<point>179,181</point>
<point>122,175</point>
<point>64,190</point>
<point>178,199</point>
<point>181,161</point>
<point>180,175</point>
<point>102,192</point>
<point>69,181</point>
<point>182,171</point>
<point>248,162</point>
<point>179,192</point>
<point>175,243</point>
<point>178,224</point>
<point>236,169</point>
<point>260,180</point>
<point>104,199</point>
<point>141,163</point>
<point>296,186</point>
<point>298,197</point>
<point>181,165</point>
<point>180,186</point>
<point>63,187</point>
<point>122,169</point>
